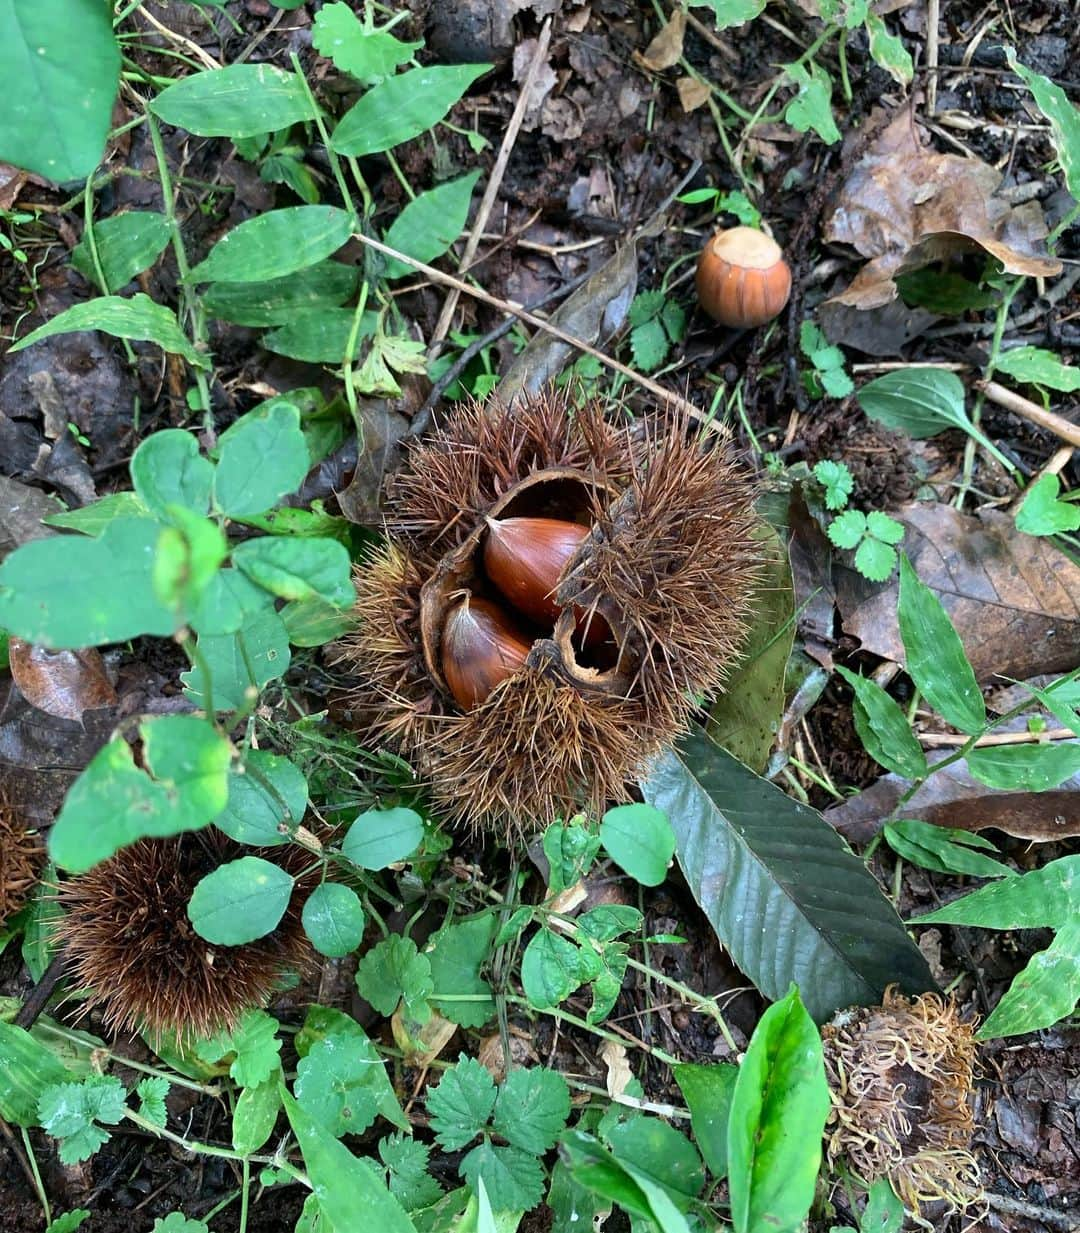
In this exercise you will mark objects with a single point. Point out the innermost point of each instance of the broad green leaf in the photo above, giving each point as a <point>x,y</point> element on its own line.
<point>1061,698</point>
<point>784,893</point>
<point>402,107</point>
<point>1064,119</point>
<point>126,244</point>
<point>181,786</point>
<point>639,839</point>
<point>240,901</point>
<point>650,1148</point>
<point>1036,365</point>
<point>314,622</point>
<point>241,100</point>
<point>778,1111</point>
<point>277,301</point>
<point>274,245</point>
<point>137,317</point>
<point>379,837</point>
<point>731,12</point>
<point>268,795</point>
<point>320,336</point>
<point>69,1221</point>
<point>811,108</point>
<point>239,664</point>
<point>1042,994</point>
<point>298,568</point>
<point>92,519</point>
<point>228,603</point>
<point>351,1194</point>
<point>252,1048</point>
<point>337,1083</point>
<point>27,1068</point>
<point>167,469</point>
<point>935,655</point>
<point>394,971</point>
<point>570,849</point>
<point>177,1222</point>
<point>366,54</point>
<point>707,1090</point>
<point>512,1179</point>
<point>111,577</point>
<point>256,1112</point>
<point>333,919</point>
<point>261,457</point>
<point>593,1166</point>
<point>456,954</point>
<point>944,292</point>
<point>553,967</point>
<point>943,849</point>
<point>889,51</point>
<point>531,1109</point>
<point>1042,513</point>
<point>60,65</point>
<point>1025,768</point>
<point>922,402</point>
<point>883,728</point>
<point>875,560</point>
<point>427,226</point>
<point>746,717</point>
<point>461,1104</point>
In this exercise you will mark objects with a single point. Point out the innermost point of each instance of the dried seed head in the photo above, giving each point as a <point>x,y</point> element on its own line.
<point>22,857</point>
<point>128,939</point>
<point>662,582</point>
<point>901,1079</point>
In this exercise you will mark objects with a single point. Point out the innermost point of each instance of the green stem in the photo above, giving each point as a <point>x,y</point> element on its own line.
<point>211,1149</point>
<point>331,153</point>
<point>706,1005</point>
<point>39,1185</point>
<point>566,1017</point>
<point>245,1187</point>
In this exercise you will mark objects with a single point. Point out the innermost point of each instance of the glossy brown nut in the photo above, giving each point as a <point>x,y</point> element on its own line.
<point>742,278</point>
<point>481,647</point>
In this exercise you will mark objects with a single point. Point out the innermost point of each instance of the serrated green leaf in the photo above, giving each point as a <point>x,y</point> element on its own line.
<point>875,560</point>
<point>837,481</point>
<point>151,1093</point>
<point>648,345</point>
<point>513,1180</point>
<point>366,54</point>
<point>884,528</point>
<point>241,100</point>
<point>847,530</point>
<point>126,244</point>
<point>407,1161</point>
<point>240,901</point>
<point>394,971</point>
<point>883,728</point>
<point>461,1104</point>
<point>531,1109</point>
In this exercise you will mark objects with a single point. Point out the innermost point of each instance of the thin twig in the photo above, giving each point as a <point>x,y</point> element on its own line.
<point>1028,410</point>
<point>933,16</point>
<point>487,202</point>
<point>940,740</point>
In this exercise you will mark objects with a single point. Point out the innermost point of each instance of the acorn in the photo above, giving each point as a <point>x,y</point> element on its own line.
<point>481,647</point>
<point>742,278</point>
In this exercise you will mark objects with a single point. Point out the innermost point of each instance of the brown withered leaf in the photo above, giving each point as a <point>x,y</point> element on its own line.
<point>951,797</point>
<point>692,93</point>
<point>667,48</point>
<point>1014,599</point>
<point>61,683</point>
<point>906,206</point>
<point>380,431</point>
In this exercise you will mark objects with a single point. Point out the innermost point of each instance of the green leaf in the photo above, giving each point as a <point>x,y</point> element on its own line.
<point>380,837</point>
<point>1044,992</point>
<point>512,1179</point>
<point>240,664</point>
<point>553,967</point>
<point>368,55</point>
<point>167,469</point>
<point>240,901</point>
<point>837,481</point>
<point>708,1092</point>
<point>531,1109</point>
<point>275,244</point>
<point>337,1084</point>
<point>943,849</point>
<point>298,568</point>
<point>883,728</point>
<point>461,1104</point>
<point>152,1092</point>
<point>889,51</point>
<point>126,244</point>
<point>333,919</point>
<point>268,795</point>
<point>922,402</point>
<point>935,655</point>
<point>783,891</point>
<point>944,292</point>
<point>177,1222</point>
<point>320,336</point>
<point>407,1160</point>
<point>456,955</point>
<point>428,225</point>
<point>1042,513</point>
<point>27,1069</point>
<point>639,839</point>
<point>60,64</point>
<point>651,1149</point>
<point>253,1045</point>
<point>778,1111</point>
<point>1025,768</point>
<point>811,108</point>
<point>1064,119</point>
<point>256,1112</point>
<point>609,921</point>
<point>261,457</point>
<point>314,622</point>
<point>394,971</point>
<point>884,528</point>
<point>69,1221</point>
<point>242,100</point>
<point>70,1112</point>
<point>401,108</point>
<point>648,345</point>
<point>137,317</point>
<point>1037,366</point>
<point>181,786</point>
<point>92,519</point>
<point>848,529</point>
<point>277,301</point>
<point>731,12</point>
<point>570,849</point>
<point>350,1193</point>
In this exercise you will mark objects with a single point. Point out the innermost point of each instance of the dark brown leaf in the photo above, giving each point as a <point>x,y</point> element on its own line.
<point>61,683</point>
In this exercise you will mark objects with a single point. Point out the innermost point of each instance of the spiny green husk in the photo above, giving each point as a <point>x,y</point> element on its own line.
<point>901,1080</point>
<point>128,940</point>
<point>671,562</point>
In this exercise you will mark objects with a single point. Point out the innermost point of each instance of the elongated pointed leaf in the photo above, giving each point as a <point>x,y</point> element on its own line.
<point>784,893</point>
<point>274,245</point>
<point>241,100</point>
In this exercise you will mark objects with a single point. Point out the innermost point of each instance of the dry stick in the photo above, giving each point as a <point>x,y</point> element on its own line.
<point>938,740</point>
<point>538,323</point>
<point>487,202</point>
<point>933,16</point>
<point>1031,411</point>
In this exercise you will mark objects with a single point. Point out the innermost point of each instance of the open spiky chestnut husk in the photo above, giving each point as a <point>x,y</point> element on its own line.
<point>644,614</point>
<point>22,857</point>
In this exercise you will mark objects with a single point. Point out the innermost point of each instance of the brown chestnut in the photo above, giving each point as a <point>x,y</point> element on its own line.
<point>481,647</point>
<point>742,278</point>
<point>525,558</point>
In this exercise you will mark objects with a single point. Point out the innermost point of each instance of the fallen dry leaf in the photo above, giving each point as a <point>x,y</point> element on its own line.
<point>905,206</point>
<point>619,1073</point>
<point>61,683</point>
<point>951,797</point>
<point>667,48</point>
<point>1014,599</point>
<point>543,82</point>
<point>692,93</point>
